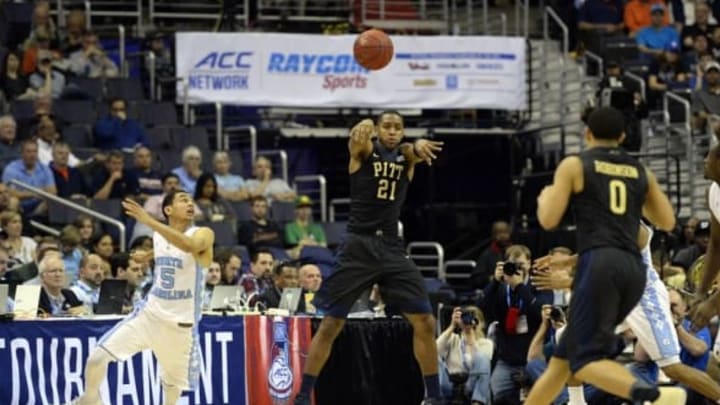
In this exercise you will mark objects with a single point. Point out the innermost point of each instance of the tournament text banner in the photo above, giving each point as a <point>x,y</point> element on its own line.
<point>295,70</point>
<point>42,362</point>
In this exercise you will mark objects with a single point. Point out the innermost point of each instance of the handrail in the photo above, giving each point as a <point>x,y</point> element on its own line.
<point>121,50</point>
<point>526,19</point>
<point>676,159</point>
<point>186,101</point>
<point>690,156</point>
<point>47,229</point>
<point>283,160</point>
<point>323,191</point>
<point>160,81</point>
<point>503,24</point>
<point>88,15</point>
<point>333,203</point>
<point>439,256</point>
<point>632,76</point>
<point>238,128</point>
<point>77,207</point>
<point>595,57</point>
<point>218,126</point>
<point>549,12</point>
<point>151,67</point>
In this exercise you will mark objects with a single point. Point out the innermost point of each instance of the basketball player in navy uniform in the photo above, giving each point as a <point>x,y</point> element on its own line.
<point>167,320</point>
<point>381,168</point>
<point>609,191</point>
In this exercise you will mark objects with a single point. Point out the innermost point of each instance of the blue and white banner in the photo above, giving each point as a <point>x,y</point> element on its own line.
<point>297,70</point>
<point>42,362</point>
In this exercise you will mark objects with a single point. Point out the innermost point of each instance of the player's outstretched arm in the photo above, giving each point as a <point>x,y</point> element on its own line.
<point>657,207</point>
<point>196,244</point>
<point>360,143</point>
<point>422,150</point>
<point>554,199</point>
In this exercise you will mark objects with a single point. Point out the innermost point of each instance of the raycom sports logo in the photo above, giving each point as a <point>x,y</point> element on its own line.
<point>339,71</point>
<point>226,70</point>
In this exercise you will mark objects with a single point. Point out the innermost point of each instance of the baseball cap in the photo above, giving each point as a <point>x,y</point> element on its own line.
<point>657,8</point>
<point>303,201</point>
<point>703,228</point>
<point>712,65</point>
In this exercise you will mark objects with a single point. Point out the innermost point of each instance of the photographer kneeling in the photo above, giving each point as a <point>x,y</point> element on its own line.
<point>465,356</point>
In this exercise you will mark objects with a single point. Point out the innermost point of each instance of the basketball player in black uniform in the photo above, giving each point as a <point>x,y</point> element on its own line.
<point>609,191</point>
<point>380,171</point>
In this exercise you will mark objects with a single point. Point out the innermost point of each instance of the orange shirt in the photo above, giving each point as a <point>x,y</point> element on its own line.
<point>637,14</point>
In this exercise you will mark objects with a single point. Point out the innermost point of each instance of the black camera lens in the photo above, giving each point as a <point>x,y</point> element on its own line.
<point>467,317</point>
<point>557,315</point>
<point>510,269</point>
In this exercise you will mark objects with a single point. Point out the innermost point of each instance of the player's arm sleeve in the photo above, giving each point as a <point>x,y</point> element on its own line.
<point>657,207</point>
<point>554,199</point>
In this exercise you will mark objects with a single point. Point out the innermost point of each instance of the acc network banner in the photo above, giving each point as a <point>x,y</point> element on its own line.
<point>320,71</point>
<point>42,362</point>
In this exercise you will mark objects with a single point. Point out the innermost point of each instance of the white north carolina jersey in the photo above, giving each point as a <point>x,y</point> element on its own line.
<point>651,320</point>
<point>714,200</point>
<point>176,293</point>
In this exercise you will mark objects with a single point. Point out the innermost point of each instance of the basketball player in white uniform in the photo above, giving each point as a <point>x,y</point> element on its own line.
<point>651,321</point>
<point>167,320</point>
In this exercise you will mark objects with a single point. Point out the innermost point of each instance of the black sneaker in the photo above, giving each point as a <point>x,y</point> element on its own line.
<point>301,399</point>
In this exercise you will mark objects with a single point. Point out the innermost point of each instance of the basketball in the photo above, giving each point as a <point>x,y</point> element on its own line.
<point>373,49</point>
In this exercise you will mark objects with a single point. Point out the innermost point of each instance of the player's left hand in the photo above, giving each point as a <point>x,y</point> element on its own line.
<point>136,211</point>
<point>551,279</point>
<point>702,313</point>
<point>426,150</point>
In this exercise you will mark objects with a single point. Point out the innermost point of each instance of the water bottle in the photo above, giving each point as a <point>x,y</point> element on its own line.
<point>280,377</point>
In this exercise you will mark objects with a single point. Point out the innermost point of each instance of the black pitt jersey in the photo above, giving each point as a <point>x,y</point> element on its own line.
<point>609,208</point>
<point>377,192</point>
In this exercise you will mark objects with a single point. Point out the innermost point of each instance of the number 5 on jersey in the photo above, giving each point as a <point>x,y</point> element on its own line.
<point>386,189</point>
<point>618,197</point>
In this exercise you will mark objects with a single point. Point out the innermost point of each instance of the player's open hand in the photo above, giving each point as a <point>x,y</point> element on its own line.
<point>363,130</point>
<point>136,211</point>
<point>141,256</point>
<point>555,263</point>
<point>427,150</point>
<point>551,279</point>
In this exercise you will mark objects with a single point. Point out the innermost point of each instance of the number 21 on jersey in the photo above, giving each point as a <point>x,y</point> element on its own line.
<point>618,197</point>
<point>386,189</point>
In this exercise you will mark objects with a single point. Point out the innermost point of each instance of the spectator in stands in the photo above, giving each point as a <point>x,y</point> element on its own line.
<point>191,168</point>
<point>3,265</point>
<point>310,277</point>
<point>494,253</point>
<point>20,248</point>
<point>47,135</point>
<point>284,275</point>
<point>516,307</point>
<point>40,44</point>
<point>463,349</point>
<point>103,246</point>
<point>28,170</point>
<point>230,265</point>
<point>87,287</point>
<point>706,101</point>
<point>260,231</point>
<point>213,207</point>
<point>302,231</point>
<point>46,79</point>
<point>69,181</point>
<point>114,182</point>
<point>46,247</point>
<point>131,271</point>
<point>695,345</point>
<point>55,299</point>
<point>697,78</point>
<point>9,147</point>
<point>212,278</point>
<point>624,94</point>
<point>686,257</point>
<point>230,186</point>
<point>701,26</point>
<point>599,19</point>
<point>258,280</point>
<point>149,179</point>
<point>265,185</point>
<point>13,82</point>
<point>117,131</point>
<point>75,23</point>
<point>8,202</point>
<point>666,74</point>
<point>86,226</point>
<point>42,22</point>
<point>91,61</point>
<point>153,205</point>
<point>637,14</point>
<point>659,36</point>
<point>164,65</point>
<point>700,46</point>
<point>72,254</point>
<point>687,236</point>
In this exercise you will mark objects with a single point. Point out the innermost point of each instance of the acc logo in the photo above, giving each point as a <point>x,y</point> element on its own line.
<point>280,379</point>
<point>225,60</point>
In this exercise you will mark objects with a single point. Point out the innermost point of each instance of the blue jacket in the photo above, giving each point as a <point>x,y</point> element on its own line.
<point>114,133</point>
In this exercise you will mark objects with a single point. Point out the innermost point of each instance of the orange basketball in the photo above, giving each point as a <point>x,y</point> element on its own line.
<point>373,49</point>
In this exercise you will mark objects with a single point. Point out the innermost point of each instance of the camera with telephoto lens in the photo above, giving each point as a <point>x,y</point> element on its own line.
<point>557,314</point>
<point>510,269</point>
<point>468,317</point>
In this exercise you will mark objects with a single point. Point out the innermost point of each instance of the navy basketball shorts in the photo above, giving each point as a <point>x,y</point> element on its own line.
<point>608,284</point>
<point>363,260</point>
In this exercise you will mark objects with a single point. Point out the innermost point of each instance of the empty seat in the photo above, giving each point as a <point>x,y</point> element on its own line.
<point>22,109</point>
<point>163,113</point>
<point>279,254</point>
<point>159,138</point>
<point>77,136</point>
<point>224,233</point>
<point>282,211</point>
<point>139,110</point>
<point>242,210</point>
<point>320,256</point>
<point>75,111</point>
<point>110,207</point>
<point>125,88</point>
<point>60,214</point>
<point>334,232</point>
<point>93,87</point>
<point>197,136</point>
<point>169,159</point>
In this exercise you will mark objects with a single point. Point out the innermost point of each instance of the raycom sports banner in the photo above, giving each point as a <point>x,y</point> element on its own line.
<point>297,70</point>
<point>42,362</point>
